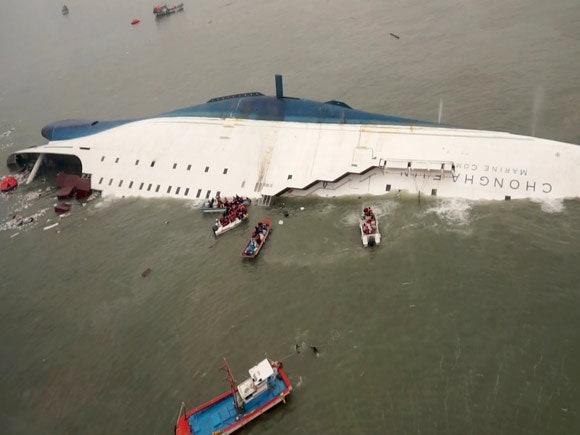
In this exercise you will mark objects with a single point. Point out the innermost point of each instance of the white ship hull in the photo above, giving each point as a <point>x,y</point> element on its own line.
<point>201,157</point>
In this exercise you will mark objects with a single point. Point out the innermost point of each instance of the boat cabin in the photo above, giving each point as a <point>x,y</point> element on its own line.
<point>258,381</point>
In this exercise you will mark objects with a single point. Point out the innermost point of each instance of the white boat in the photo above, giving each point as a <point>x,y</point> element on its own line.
<point>219,229</point>
<point>262,146</point>
<point>369,228</point>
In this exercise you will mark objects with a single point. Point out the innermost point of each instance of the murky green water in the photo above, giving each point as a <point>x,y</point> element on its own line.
<point>463,320</point>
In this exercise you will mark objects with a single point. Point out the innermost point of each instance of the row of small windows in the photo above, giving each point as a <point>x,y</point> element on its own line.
<point>225,171</point>
<point>158,188</point>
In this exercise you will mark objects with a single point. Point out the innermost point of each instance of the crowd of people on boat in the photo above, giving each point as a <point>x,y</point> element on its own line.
<point>370,222</point>
<point>218,203</point>
<point>258,236</point>
<point>234,210</point>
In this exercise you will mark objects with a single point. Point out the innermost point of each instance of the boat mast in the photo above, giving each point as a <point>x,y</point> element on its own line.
<point>233,385</point>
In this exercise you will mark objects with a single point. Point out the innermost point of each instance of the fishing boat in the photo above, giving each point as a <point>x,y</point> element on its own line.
<point>257,239</point>
<point>369,228</point>
<point>218,228</point>
<point>163,10</point>
<point>64,10</point>
<point>219,206</point>
<point>277,146</point>
<point>266,387</point>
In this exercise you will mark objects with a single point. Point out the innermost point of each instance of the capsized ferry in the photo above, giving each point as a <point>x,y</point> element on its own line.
<point>277,146</point>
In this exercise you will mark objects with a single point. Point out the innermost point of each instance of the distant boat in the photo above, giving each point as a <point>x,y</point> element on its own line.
<point>257,239</point>
<point>8,183</point>
<point>65,10</point>
<point>135,21</point>
<point>266,387</point>
<point>161,11</point>
<point>369,228</point>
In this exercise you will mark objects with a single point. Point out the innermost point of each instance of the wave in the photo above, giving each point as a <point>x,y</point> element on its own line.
<point>551,205</point>
<point>453,211</point>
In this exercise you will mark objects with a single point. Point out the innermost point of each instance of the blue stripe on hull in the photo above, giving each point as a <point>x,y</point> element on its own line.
<point>222,414</point>
<point>244,106</point>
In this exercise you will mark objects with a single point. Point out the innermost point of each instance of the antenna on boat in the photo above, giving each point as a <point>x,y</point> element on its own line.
<point>233,384</point>
<point>279,86</point>
<point>440,109</point>
<point>229,375</point>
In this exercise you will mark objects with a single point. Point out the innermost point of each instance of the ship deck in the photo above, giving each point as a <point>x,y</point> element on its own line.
<point>222,413</point>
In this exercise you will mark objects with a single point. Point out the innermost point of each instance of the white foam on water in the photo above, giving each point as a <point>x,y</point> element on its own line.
<point>5,141</point>
<point>194,205</point>
<point>452,211</point>
<point>22,222</point>
<point>551,205</point>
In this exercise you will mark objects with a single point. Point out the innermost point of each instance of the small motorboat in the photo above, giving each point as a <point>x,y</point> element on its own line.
<point>135,21</point>
<point>266,387</point>
<point>219,228</point>
<point>64,10</point>
<point>257,239</point>
<point>8,183</point>
<point>161,11</point>
<point>369,228</point>
<point>217,205</point>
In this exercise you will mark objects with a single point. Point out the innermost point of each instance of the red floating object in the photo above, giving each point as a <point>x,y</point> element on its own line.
<point>135,21</point>
<point>8,183</point>
<point>62,207</point>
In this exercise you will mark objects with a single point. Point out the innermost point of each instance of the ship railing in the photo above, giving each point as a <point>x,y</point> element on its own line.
<point>410,166</point>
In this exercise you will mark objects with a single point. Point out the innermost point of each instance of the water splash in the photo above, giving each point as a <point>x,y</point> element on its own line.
<point>5,141</point>
<point>452,211</point>
<point>551,205</point>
